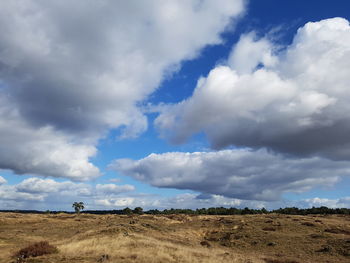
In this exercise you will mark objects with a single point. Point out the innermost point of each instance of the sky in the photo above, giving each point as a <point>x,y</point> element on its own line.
<point>174,104</point>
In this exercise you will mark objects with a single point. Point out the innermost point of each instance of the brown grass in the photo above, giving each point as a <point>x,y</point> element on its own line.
<point>177,238</point>
<point>35,250</point>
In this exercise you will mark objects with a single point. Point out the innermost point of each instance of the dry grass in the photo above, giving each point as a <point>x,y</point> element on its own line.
<point>178,238</point>
<point>35,250</point>
<point>143,249</point>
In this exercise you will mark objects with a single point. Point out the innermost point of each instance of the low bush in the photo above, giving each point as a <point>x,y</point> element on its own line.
<point>35,250</point>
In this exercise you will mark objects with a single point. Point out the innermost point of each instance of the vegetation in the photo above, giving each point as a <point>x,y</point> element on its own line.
<point>126,211</point>
<point>246,211</point>
<point>204,211</point>
<point>138,210</point>
<point>35,250</point>
<point>228,211</point>
<point>78,206</point>
<point>313,211</point>
<point>144,238</point>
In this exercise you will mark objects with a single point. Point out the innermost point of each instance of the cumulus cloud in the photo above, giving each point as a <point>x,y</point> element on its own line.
<point>194,201</point>
<point>42,151</point>
<point>70,71</point>
<point>9,193</point>
<point>38,193</point>
<point>183,201</point>
<point>343,202</point>
<point>294,101</point>
<point>2,180</point>
<point>38,185</point>
<point>114,189</point>
<point>239,173</point>
<point>48,194</point>
<point>119,202</point>
<point>249,52</point>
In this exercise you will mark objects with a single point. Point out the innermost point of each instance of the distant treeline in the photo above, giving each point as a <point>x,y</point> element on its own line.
<point>205,211</point>
<point>248,211</point>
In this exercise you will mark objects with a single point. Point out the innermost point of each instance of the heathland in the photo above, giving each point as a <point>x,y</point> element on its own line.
<point>265,238</point>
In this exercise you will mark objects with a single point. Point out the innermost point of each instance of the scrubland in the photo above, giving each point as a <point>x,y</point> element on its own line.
<point>269,238</point>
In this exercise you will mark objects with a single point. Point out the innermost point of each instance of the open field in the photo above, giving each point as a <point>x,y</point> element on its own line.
<point>267,238</point>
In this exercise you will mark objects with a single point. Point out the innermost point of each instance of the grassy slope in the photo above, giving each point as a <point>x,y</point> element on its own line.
<point>179,238</point>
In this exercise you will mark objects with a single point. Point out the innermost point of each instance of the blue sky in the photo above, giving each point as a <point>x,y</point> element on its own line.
<point>174,104</point>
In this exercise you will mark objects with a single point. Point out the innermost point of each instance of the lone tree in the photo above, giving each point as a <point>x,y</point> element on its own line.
<point>78,206</point>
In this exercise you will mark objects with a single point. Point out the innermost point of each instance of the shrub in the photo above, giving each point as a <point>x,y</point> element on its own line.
<point>36,249</point>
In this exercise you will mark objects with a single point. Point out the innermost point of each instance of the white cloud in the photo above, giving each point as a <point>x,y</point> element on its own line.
<point>38,193</point>
<point>183,201</point>
<point>240,173</point>
<point>194,201</point>
<point>38,185</point>
<point>73,70</point>
<point>249,52</point>
<point>331,203</point>
<point>2,180</point>
<point>117,202</point>
<point>296,103</point>
<point>9,193</point>
<point>114,189</point>
<point>42,151</point>
<point>48,194</point>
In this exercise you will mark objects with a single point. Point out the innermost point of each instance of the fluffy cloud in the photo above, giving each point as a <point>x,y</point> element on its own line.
<point>42,151</point>
<point>183,201</point>
<point>2,180</point>
<point>240,173</point>
<point>38,193</point>
<point>249,52</point>
<point>70,71</point>
<point>194,201</point>
<point>43,194</point>
<point>120,202</point>
<point>9,193</point>
<point>114,189</point>
<point>331,203</point>
<point>294,102</point>
<point>36,185</point>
